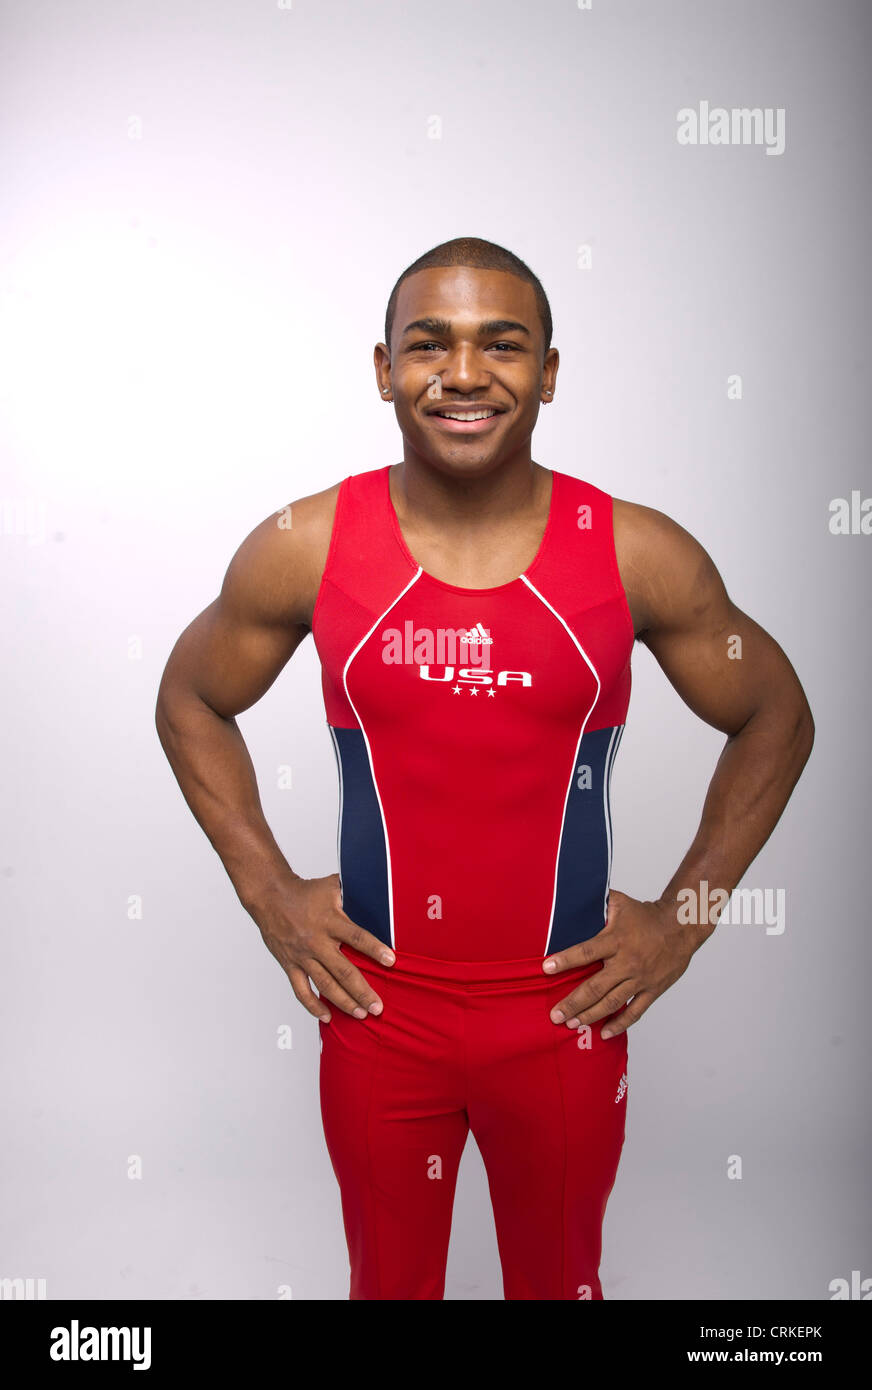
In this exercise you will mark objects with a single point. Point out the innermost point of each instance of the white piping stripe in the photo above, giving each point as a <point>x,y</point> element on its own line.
<point>341,800</point>
<point>612,753</point>
<point>415,577</point>
<point>606,762</point>
<point>577,748</point>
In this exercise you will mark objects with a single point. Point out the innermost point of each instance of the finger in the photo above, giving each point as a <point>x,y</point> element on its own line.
<point>589,1001</point>
<point>362,940</point>
<point>357,936</point>
<point>612,1001</point>
<point>352,980</point>
<point>599,947</point>
<point>632,1013</point>
<point>343,985</point>
<point>307,996</point>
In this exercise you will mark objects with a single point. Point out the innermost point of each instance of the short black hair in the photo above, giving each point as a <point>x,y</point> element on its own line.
<point>480,255</point>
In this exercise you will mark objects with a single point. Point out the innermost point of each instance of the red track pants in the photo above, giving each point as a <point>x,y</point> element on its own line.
<point>460,1046</point>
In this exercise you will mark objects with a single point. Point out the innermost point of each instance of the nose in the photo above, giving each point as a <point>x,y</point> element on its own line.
<point>466,370</point>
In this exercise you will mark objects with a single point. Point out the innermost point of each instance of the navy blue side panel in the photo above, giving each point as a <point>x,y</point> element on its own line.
<point>363,860</point>
<point>585,857</point>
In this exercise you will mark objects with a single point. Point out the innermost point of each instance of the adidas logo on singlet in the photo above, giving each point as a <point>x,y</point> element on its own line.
<point>473,675</point>
<point>477,637</point>
<point>622,1088</point>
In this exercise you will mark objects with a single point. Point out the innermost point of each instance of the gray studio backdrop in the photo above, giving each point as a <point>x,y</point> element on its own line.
<point>204,210</point>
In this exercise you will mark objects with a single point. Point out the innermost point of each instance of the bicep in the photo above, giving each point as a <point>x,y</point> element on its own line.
<point>231,654</point>
<point>720,661</point>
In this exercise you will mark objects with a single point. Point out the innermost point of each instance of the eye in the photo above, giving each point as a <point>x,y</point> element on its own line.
<point>440,347</point>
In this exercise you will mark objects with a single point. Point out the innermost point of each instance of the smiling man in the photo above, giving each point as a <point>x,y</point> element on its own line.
<point>475,614</point>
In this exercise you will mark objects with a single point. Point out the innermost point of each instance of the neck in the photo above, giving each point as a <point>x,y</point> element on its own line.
<point>421,489</point>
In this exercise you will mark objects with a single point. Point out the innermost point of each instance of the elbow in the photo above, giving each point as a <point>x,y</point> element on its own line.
<point>160,707</point>
<point>166,707</point>
<point>161,721</point>
<point>803,733</point>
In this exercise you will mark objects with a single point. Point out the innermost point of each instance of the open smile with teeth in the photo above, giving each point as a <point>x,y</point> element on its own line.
<point>465,414</point>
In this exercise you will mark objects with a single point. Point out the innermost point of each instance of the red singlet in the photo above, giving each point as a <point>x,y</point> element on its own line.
<point>475,732</point>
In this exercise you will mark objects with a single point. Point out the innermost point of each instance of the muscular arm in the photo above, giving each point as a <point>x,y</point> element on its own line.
<point>733,675</point>
<point>222,663</point>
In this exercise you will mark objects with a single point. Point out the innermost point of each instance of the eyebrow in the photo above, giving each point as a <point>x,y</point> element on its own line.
<point>442,327</point>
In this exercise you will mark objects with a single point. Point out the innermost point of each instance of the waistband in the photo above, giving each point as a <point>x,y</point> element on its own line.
<point>467,972</point>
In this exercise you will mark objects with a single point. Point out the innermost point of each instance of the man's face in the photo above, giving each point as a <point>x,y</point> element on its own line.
<point>465,338</point>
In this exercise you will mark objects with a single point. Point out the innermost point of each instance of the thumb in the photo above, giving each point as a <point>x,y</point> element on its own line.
<point>616,904</point>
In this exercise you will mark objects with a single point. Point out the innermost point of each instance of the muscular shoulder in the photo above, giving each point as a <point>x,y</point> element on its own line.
<point>667,575</point>
<point>275,574</point>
